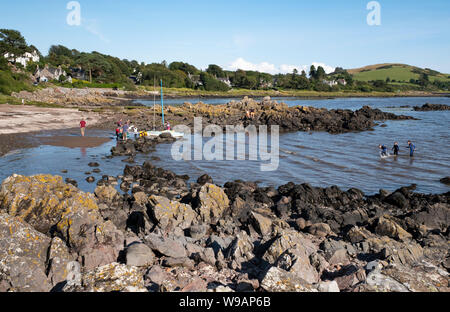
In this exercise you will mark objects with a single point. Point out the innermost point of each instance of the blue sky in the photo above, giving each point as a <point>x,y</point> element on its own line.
<point>259,34</point>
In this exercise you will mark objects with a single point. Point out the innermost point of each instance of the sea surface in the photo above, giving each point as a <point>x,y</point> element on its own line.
<point>349,160</point>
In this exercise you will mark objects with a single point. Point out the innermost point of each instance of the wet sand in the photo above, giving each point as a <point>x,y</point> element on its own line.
<point>74,142</point>
<point>24,119</point>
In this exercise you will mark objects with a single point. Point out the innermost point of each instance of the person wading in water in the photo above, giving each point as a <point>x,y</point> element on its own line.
<point>412,148</point>
<point>396,149</point>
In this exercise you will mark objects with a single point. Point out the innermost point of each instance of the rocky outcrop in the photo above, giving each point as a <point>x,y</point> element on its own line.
<point>432,107</point>
<point>54,208</point>
<point>165,236</point>
<point>113,277</point>
<point>73,96</point>
<point>23,256</point>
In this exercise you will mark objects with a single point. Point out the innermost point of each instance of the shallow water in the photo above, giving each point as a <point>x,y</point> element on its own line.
<point>321,159</point>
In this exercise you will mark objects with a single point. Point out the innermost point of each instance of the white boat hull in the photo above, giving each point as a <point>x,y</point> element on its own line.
<point>174,134</point>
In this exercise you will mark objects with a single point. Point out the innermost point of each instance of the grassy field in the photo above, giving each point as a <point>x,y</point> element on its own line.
<point>398,72</point>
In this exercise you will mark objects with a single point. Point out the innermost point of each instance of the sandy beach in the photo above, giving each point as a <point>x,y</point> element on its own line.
<point>20,126</point>
<point>23,119</point>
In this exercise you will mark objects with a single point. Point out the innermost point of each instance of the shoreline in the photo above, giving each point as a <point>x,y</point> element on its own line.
<point>173,94</point>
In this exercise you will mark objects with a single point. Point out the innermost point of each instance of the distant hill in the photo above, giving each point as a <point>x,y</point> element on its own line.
<point>398,72</point>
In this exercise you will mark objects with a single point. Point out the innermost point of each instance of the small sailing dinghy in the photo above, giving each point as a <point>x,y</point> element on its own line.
<point>154,133</point>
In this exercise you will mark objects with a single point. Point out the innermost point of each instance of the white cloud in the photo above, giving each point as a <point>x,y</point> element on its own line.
<point>266,67</point>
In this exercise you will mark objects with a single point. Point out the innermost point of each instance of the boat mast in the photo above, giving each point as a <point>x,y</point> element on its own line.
<point>154,103</point>
<point>162,103</point>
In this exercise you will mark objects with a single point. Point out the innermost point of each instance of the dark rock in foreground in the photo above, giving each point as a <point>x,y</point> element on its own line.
<point>167,236</point>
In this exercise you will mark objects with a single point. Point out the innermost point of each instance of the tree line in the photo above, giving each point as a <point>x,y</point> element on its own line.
<point>106,69</point>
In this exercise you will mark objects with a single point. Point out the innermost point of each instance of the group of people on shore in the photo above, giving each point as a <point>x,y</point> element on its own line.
<point>122,130</point>
<point>396,149</point>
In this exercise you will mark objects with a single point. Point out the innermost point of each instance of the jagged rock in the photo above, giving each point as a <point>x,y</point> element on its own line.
<point>59,258</point>
<point>397,199</point>
<point>139,255</point>
<point>432,107</point>
<point>445,180</point>
<point>296,260</point>
<point>198,231</point>
<point>71,213</point>
<point>261,223</point>
<point>212,202</point>
<point>394,251</point>
<point>241,249</point>
<point>179,262</point>
<point>140,198</point>
<point>335,251</point>
<point>357,234</point>
<point>286,240</point>
<point>107,194</point>
<point>204,179</point>
<point>278,280</point>
<point>171,214</point>
<point>23,253</point>
<point>165,246</point>
<point>320,229</point>
<point>110,278</point>
<point>386,226</point>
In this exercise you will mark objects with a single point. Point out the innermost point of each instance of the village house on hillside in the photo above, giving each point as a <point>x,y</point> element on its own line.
<point>78,73</point>
<point>332,83</point>
<point>49,73</point>
<point>195,80</point>
<point>24,59</point>
<point>225,81</point>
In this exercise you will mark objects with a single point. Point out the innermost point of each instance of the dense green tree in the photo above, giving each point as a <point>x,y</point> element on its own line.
<point>210,83</point>
<point>216,71</point>
<point>185,67</point>
<point>320,73</point>
<point>312,72</point>
<point>13,42</point>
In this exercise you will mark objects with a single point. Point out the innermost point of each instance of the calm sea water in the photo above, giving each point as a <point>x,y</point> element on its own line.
<point>321,159</point>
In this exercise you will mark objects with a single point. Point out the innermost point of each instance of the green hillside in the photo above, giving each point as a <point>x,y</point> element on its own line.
<point>397,72</point>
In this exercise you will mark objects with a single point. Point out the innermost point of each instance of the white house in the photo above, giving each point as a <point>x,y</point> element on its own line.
<point>24,59</point>
<point>330,83</point>
<point>49,73</point>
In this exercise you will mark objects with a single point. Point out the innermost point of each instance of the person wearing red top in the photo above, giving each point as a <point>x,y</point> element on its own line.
<point>83,126</point>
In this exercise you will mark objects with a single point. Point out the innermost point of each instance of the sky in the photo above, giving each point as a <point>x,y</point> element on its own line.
<point>269,36</point>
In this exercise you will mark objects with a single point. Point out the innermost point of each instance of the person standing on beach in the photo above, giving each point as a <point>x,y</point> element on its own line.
<point>82,126</point>
<point>125,130</point>
<point>412,148</point>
